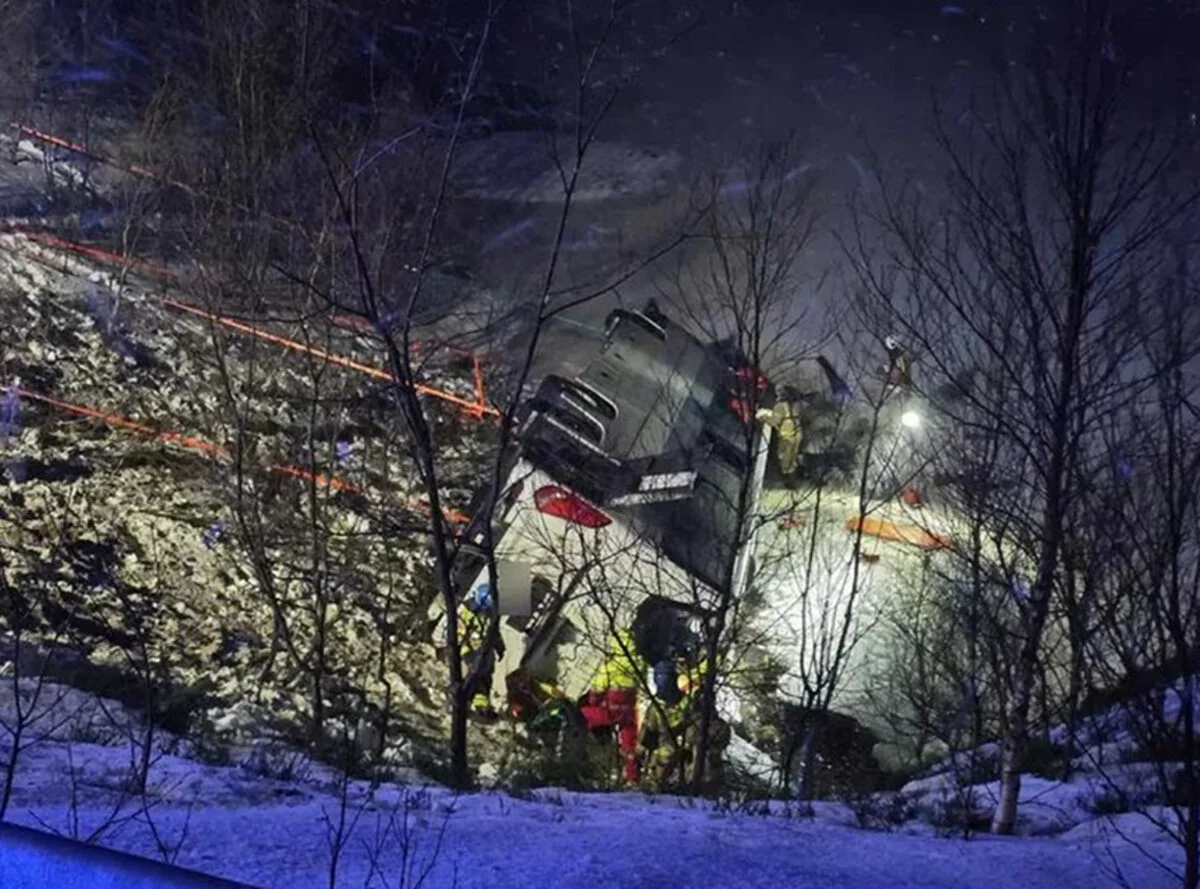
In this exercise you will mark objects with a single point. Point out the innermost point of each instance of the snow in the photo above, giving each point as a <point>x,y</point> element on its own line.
<point>73,335</point>
<point>1144,827</point>
<point>567,840</point>
<point>244,822</point>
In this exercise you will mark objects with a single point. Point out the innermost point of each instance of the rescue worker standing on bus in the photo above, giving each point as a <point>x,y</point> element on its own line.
<point>899,367</point>
<point>784,418</point>
<point>478,653</point>
<point>612,700</point>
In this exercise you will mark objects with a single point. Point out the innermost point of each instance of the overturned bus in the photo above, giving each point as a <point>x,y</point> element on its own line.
<point>634,480</point>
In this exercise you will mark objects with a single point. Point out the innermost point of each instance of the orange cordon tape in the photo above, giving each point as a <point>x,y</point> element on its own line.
<point>58,243</point>
<point>199,445</point>
<point>477,408</point>
<point>190,442</point>
<point>377,373</point>
<point>60,142</point>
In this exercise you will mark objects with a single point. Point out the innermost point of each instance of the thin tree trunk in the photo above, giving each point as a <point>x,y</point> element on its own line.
<point>1191,818</point>
<point>708,706</point>
<point>1074,696</point>
<point>1038,606</point>
<point>10,767</point>
<point>808,757</point>
<point>1016,738</point>
<point>458,738</point>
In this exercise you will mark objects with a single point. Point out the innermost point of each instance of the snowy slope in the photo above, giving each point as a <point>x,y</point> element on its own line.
<point>568,840</point>
<point>232,822</point>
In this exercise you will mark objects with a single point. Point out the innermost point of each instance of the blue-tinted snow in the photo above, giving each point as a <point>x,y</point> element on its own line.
<point>273,834</point>
<point>84,75</point>
<point>604,841</point>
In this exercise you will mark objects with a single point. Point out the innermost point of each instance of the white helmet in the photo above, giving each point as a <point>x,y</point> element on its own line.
<point>891,343</point>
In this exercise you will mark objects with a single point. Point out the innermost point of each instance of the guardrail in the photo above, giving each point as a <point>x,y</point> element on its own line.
<point>33,859</point>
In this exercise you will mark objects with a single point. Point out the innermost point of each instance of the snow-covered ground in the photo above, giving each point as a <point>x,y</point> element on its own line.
<point>72,336</point>
<point>228,822</point>
<point>269,819</point>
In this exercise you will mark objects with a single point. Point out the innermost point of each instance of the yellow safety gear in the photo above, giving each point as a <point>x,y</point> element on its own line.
<point>783,418</point>
<point>472,630</point>
<point>622,667</point>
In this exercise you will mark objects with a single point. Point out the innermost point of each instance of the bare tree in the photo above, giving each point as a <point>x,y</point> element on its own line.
<point>400,304</point>
<point>743,293</point>
<point>1146,639</point>
<point>35,713</point>
<point>1053,207</point>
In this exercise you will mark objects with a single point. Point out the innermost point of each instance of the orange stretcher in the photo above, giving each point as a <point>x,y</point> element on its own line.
<point>913,535</point>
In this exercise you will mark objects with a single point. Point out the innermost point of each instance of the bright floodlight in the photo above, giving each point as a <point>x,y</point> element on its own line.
<point>910,420</point>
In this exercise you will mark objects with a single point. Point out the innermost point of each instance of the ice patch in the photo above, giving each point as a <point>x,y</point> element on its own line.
<point>510,234</point>
<point>84,75</point>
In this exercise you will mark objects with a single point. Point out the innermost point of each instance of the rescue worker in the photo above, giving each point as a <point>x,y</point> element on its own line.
<point>719,732</point>
<point>478,653</point>
<point>537,702</point>
<point>671,734</point>
<point>784,418</point>
<point>899,368</point>
<point>661,740</point>
<point>612,700</point>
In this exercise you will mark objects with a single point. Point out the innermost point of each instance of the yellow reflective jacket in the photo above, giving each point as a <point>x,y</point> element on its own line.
<point>622,667</point>
<point>691,675</point>
<point>663,727</point>
<point>472,630</point>
<point>783,418</point>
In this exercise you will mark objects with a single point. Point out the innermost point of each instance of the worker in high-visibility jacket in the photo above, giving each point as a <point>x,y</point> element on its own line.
<point>478,656</point>
<point>784,418</point>
<point>661,739</point>
<point>612,700</point>
<point>671,733</point>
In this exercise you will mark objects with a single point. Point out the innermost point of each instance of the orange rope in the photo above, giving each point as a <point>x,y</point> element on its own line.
<point>377,373</point>
<point>325,481</point>
<point>192,443</point>
<point>476,408</point>
<point>98,253</point>
<point>479,407</point>
<point>60,142</point>
<point>189,442</point>
<point>353,322</point>
<point>480,392</point>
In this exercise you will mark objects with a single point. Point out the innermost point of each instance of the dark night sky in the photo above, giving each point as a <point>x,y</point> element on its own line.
<point>823,69</point>
<point>833,70</point>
